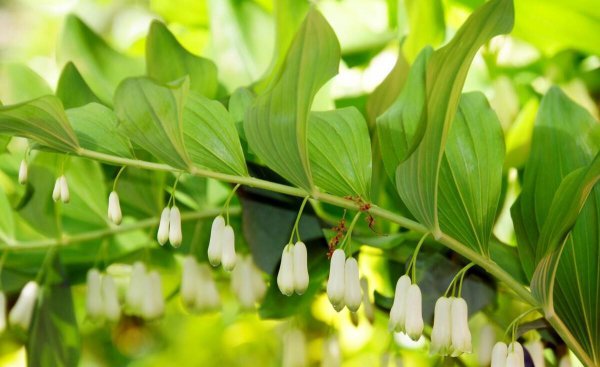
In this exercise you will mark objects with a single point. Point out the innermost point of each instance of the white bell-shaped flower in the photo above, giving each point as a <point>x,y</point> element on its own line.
<point>134,297</point>
<point>258,282</point>
<point>2,312</point>
<point>368,307</point>
<point>301,278</point>
<point>215,244</point>
<point>93,300</point>
<point>336,282</point>
<point>114,208</point>
<point>352,293</point>
<point>23,172</point>
<point>56,190</point>
<point>207,294</point>
<point>332,353</point>
<point>565,361</point>
<point>414,312</point>
<point>461,335</point>
<point>228,259</point>
<point>190,277</point>
<point>162,236</point>
<point>21,313</point>
<point>487,338</point>
<point>65,197</point>
<point>516,354</point>
<point>536,351</point>
<point>398,312</point>
<point>285,276</point>
<point>441,334</point>
<point>294,349</point>
<point>153,306</point>
<point>246,294</point>
<point>110,299</point>
<point>499,354</point>
<point>175,235</point>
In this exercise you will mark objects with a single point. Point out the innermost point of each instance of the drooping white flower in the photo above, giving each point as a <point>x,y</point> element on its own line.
<point>352,293</point>
<point>565,361</point>
<point>175,235</point>
<point>56,190</point>
<point>65,197</point>
<point>536,351</point>
<point>285,276</point>
<point>461,335</point>
<point>294,349</point>
<point>332,353</point>
<point>336,282</point>
<point>441,334</point>
<point>134,297</point>
<point>516,355</point>
<point>207,295</point>
<point>153,305</point>
<point>23,172</point>
<point>2,312</point>
<point>499,355</point>
<point>22,311</point>
<point>190,277</point>
<point>398,312</point>
<point>414,312</point>
<point>487,338</point>
<point>215,245</point>
<point>162,235</point>
<point>301,278</point>
<point>93,300</point>
<point>247,282</point>
<point>110,299</point>
<point>368,307</point>
<point>258,282</point>
<point>114,208</point>
<point>228,257</point>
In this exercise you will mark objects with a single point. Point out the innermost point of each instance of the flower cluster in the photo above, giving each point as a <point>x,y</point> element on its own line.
<point>247,282</point>
<point>511,355</point>
<point>61,190</point>
<point>293,270</point>
<point>406,313</point>
<point>169,227</point>
<point>21,313</point>
<point>343,286</point>
<point>198,289</point>
<point>102,298</point>
<point>114,208</point>
<point>450,334</point>
<point>144,295</point>
<point>221,246</point>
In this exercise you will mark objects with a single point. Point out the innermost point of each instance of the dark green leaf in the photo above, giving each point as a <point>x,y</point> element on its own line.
<point>72,90</point>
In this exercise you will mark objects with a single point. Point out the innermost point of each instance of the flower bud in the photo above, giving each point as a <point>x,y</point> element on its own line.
<point>56,191</point>
<point>163,228</point>
<point>190,277</point>
<point>300,267</point>
<point>441,334</point>
<point>414,312</point>
<point>137,286</point>
<point>368,307</point>
<point>215,245</point>
<point>110,299</point>
<point>93,301</point>
<point>332,354</point>
<point>536,351</point>
<point>398,312</point>
<point>153,306</point>
<point>22,311</point>
<point>564,361</point>
<point>461,335</point>
<point>499,354</point>
<point>23,172</point>
<point>65,197</point>
<point>516,355</point>
<point>352,294</point>
<point>2,312</point>
<point>114,208</point>
<point>175,235</point>
<point>229,256</point>
<point>294,349</point>
<point>336,282</point>
<point>487,337</point>
<point>285,277</point>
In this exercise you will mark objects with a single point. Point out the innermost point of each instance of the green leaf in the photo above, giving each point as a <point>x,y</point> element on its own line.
<point>167,60</point>
<point>152,116</point>
<point>96,128</point>
<point>340,152</point>
<point>20,83</point>
<point>417,178</point>
<point>400,129</point>
<point>427,26</point>
<point>42,120</point>
<point>7,224</point>
<point>276,124</point>
<point>211,137</point>
<point>72,90</point>
<point>471,173</point>
<point>101,66</point>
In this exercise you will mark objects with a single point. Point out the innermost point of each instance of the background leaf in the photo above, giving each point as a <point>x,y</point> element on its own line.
<point>72,90</point>
<point>20,83</point>
<point>423,15</point>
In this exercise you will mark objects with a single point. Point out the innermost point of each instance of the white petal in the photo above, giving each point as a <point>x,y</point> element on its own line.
<point>23,172</point>
<point>414,312</point>
<point>93,300</point>
<point>285,276</point>
<point>190,279</point>
<point>301,278</point>
<point>352,294</point>
<point>461,335</point>
<point>154,303</point>
<point>114,208</point>
<point>246,294</point>
<point>536,351</point>
<point>110,296</point>
<point>512,360</point>
<point>65,197</point>
<point>336,282</point>
<point>2,312</point>
<point>368,307</point>
<point>398,311</point>
<point>487,338</point>
<point>332,353</point>
<point>207,296</point>
<point>163,228</point>
<point>499,354</point>
<point>137,285</point>
<point>517,349</point>
<point>175,235</point>
<point>215,245</point>
<point>22,311</point>
<point>229,256</point>
<point>56,190</point>
<point>441,334</point>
